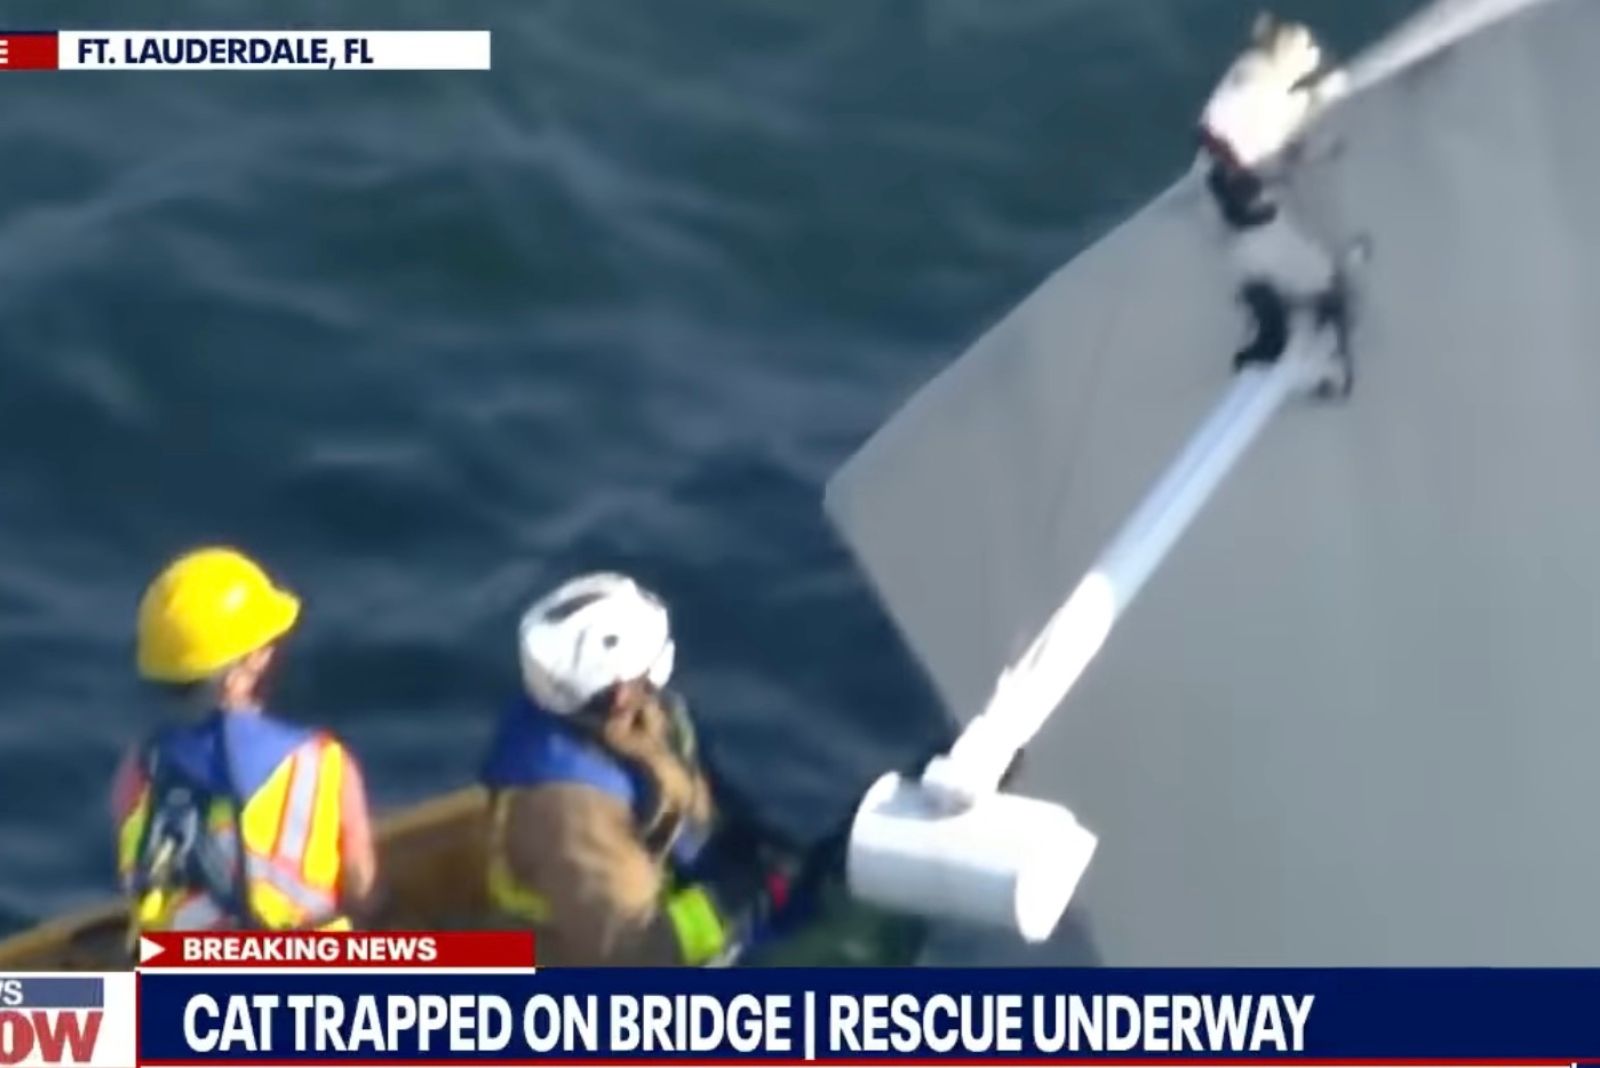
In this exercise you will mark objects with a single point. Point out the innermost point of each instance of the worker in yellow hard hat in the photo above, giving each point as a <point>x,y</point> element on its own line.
<point>189,794</point>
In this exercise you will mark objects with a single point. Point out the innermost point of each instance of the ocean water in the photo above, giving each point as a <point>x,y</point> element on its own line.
<point>427,343</point>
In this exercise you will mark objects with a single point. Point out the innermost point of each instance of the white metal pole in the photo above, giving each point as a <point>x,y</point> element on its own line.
<point>1030,689</point>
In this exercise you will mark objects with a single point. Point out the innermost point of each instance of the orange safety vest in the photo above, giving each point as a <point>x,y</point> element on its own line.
<point>277,785</point>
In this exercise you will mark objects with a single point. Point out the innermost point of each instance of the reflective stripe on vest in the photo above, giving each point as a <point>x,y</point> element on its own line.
<point>197,912</point>
<point>505,892</point>
<point>291,827</point>
<point>701,935</point>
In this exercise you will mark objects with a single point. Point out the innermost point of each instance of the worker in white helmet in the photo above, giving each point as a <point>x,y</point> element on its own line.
<point>1247,133</point>
<point>600,808</point>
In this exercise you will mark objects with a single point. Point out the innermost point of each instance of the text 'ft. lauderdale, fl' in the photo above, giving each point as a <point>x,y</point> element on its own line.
<point>225,50</point>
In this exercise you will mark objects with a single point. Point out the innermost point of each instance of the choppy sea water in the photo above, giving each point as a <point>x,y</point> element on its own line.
<point>427,343</point>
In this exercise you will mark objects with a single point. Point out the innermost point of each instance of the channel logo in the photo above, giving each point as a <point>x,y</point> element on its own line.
<point>50,1019</point>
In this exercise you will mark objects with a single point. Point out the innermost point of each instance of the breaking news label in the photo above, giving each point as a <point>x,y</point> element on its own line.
<point>151,50</point>
<point>449,998</point>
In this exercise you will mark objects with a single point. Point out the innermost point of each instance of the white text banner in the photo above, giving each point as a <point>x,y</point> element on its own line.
<point>347,50</point>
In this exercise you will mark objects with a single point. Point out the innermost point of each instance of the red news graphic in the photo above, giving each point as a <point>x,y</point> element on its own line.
<point>359,949</point>
<point>50,1019</point>
<point>28,51</point>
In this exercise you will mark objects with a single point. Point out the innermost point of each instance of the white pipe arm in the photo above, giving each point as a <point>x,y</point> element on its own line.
<point>1032,687</point>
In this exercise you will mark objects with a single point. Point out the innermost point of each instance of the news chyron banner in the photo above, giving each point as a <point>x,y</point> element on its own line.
<point>477,998</point>
<point>170,50</point>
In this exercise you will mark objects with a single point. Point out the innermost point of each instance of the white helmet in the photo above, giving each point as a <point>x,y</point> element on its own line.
<point>588,635</point>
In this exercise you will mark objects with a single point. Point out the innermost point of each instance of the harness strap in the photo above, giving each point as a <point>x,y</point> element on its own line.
<point>156,873</point>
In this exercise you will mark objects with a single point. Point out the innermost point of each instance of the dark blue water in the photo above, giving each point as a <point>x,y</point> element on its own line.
<point>427,343</point>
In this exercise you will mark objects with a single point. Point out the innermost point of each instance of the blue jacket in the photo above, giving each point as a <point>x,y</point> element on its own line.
<point>533,747</point>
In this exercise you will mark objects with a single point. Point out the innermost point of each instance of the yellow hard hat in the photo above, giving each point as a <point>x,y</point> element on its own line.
<point>207,609</point>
